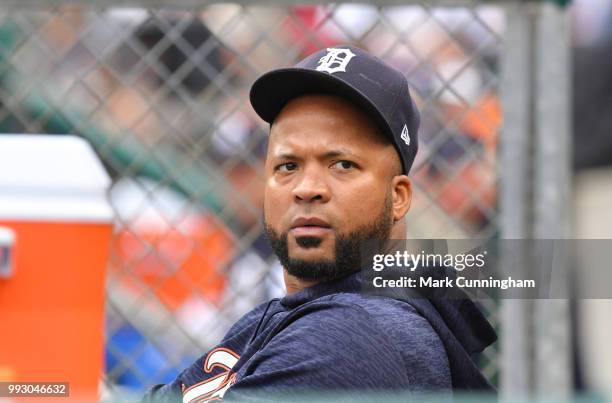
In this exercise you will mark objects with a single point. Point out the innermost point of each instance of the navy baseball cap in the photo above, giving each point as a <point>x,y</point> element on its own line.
<point>354,74</point>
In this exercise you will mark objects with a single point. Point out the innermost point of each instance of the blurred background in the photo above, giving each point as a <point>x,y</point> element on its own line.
<point>516,142</point>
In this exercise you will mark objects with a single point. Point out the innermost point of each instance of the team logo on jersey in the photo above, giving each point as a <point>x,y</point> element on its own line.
<point>405,135</point>
<point>213,389</point>
<point>335,60</point>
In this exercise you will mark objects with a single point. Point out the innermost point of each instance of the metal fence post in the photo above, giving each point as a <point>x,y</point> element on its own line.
<point>515,188</point>
<point>551,194</point>
<point>535,164</point>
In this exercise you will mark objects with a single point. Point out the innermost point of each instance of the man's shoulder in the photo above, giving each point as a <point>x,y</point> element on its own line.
<point>420,347</point>
<point>378,308</point>
<point>334,323</point>
<point>397,319</point>
<point>329,344</point>
<point>350,307</point>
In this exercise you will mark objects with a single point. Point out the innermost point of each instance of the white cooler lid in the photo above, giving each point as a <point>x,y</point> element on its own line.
<point>52,178</point>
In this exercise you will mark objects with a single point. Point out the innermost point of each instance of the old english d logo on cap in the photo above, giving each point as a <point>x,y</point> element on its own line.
<point>335,60</point>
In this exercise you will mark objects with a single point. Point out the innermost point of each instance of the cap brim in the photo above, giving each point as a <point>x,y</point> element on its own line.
<point>271,92</point>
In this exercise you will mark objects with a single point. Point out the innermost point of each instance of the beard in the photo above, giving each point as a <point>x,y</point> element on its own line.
<point>347,248</point>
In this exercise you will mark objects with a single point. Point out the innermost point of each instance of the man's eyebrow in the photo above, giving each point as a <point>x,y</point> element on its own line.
<point>286,156</point>
<point>339,153</point>
<point>334,153</point>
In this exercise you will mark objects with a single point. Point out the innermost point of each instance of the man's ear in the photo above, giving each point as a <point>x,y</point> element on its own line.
<point>402,196</point>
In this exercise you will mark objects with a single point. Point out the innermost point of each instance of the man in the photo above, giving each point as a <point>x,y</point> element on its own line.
<point>342,140</point>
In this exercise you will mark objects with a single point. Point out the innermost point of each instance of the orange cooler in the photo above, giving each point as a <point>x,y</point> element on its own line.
<point>55,233</point>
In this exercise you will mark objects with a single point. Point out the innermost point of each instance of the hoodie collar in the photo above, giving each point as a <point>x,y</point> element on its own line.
<point>349,283</point>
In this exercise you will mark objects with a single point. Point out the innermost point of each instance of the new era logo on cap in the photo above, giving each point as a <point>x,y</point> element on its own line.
<point>405,135</point>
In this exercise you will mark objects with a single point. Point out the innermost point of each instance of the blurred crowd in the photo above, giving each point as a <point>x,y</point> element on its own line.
<point>592,188</point>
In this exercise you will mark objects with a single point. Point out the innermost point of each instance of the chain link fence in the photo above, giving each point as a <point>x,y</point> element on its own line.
<point>162,95</point>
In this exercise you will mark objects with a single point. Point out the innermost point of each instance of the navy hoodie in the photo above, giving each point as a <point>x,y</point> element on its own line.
<point>333,337</point>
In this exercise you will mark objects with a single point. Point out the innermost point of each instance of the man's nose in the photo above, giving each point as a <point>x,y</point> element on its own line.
<point>311,187</point>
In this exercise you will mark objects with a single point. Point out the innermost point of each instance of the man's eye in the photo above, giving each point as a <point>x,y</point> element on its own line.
<point>344,165</point>
<point>287,167</point>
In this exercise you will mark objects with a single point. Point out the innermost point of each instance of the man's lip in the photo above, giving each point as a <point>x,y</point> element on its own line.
<point>310,231</point>
<point>306,222</point>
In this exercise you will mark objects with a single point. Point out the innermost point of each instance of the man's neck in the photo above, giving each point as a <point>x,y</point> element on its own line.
<point>294,284</point>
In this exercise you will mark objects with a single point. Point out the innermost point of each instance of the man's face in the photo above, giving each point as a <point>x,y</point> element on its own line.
<point>328,186</point>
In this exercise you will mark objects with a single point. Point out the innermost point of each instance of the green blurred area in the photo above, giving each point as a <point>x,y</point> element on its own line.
<point>123,154</point>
